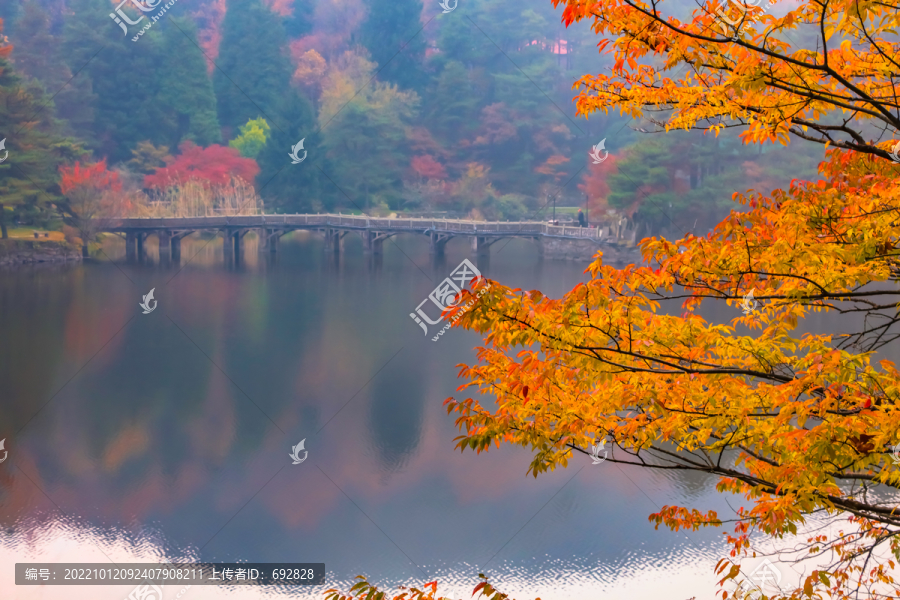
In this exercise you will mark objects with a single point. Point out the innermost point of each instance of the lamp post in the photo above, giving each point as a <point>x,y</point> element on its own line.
<point>554,209</point>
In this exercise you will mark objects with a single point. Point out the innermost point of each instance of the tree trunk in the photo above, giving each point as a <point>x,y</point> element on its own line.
<point>3,231</point>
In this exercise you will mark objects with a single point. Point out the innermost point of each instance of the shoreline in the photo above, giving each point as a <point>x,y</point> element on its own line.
<point>17,252</point>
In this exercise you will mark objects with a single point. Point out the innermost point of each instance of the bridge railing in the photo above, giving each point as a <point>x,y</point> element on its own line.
<point>581,232</point>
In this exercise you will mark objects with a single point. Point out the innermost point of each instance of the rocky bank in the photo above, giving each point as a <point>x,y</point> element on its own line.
<point>22,252</point>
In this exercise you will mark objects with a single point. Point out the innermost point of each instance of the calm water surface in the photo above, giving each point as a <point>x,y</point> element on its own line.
<point>134,438</point>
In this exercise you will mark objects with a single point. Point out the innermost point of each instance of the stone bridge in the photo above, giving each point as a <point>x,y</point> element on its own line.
<point>372,230</point>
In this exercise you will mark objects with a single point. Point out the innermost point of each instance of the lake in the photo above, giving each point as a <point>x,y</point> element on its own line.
<point>140,437</point>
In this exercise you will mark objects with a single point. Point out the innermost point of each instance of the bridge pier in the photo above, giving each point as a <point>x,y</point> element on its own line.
<point>373,241</point>
<point>481,246</point>
<point>130,246</point>
<point>334,239</point>
<point>176,245</point>
<point>165,246</point>
<point>239,244</point>
<point>270,240</point>
<point>141,254</point>
<point>437,241</point>
<point>230,245</point>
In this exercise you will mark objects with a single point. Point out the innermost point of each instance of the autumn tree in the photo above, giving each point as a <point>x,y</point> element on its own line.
<point>309,72</point>
<point>801,425</point>
<point>426,167</point>
<point>363,589</point>
<point>499,97</point>
<point>212,166</point>
<point>92,193</point>
<point>595,185</point>
<point>364,129</point>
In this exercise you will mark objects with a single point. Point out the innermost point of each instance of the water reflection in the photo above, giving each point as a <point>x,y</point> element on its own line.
<point>395,417</point>
<point>134,437</point>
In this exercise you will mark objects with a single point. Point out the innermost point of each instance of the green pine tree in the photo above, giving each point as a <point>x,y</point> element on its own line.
<point>37,55</point>
<point>185,90</point>
<point>288,187</point>
<point>254,71</point>
<point>300,21</point>
<point>154,89</point>
<point>32,147</point>
<point>392,33</point>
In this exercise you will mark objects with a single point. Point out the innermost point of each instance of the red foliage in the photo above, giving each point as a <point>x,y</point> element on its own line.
<point>427,168</point>
<point>595,186</point>
<point>281,8</point>
<point>93,177</point>
<point>212,166</point>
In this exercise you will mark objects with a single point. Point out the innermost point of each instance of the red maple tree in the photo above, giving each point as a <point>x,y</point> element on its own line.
<point>213,166</point>
<point>92,193</point>
<point>93,178</point>
<point>595,186</point>
<point>427,168</point>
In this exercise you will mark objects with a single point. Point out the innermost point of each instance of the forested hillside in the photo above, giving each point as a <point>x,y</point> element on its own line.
<point>401,106</point>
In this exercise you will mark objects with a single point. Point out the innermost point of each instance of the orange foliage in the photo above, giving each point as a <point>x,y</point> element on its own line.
<point>548,167</point>
<point>310,70</point>
<point>363,590</point>
<point>801,425</point>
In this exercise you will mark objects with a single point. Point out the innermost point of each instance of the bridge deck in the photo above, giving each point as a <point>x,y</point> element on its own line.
<point>319,221</point>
